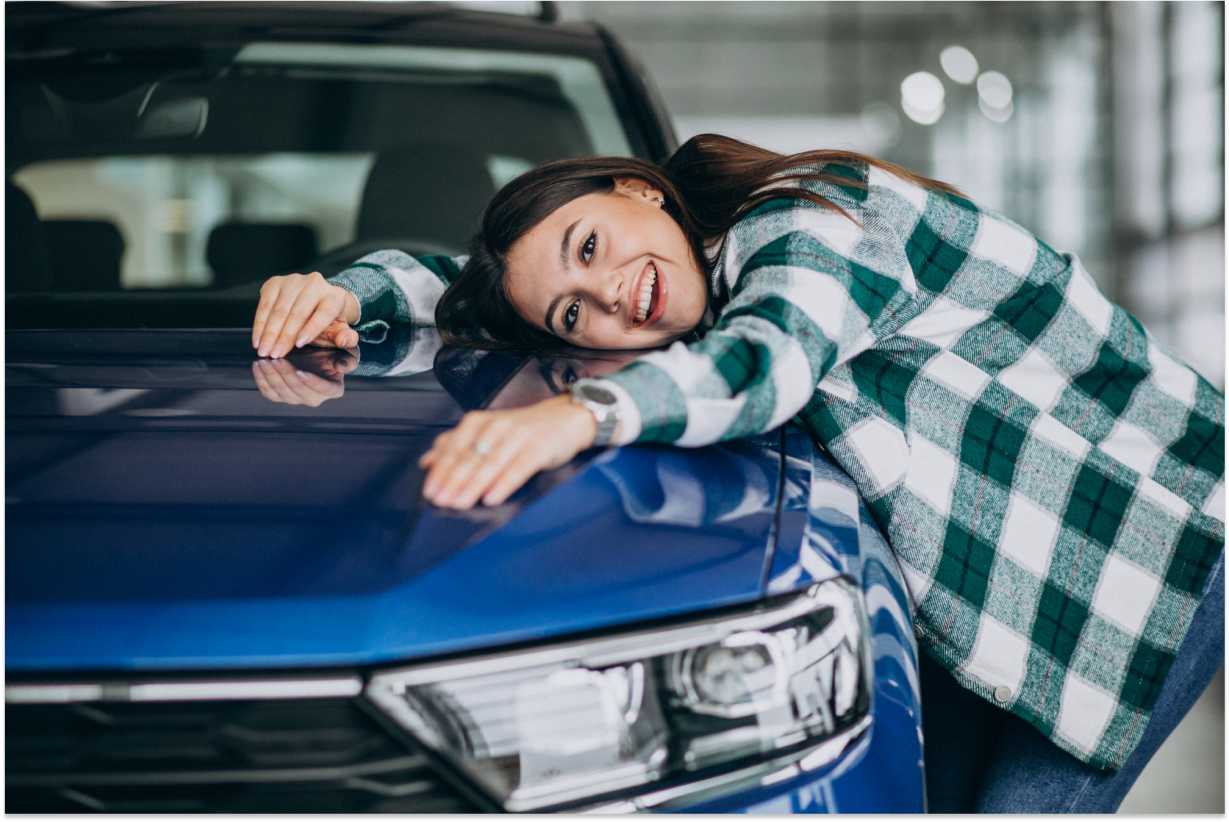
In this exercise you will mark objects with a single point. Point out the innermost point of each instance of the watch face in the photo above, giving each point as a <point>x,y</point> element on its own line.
<point>599,395</point>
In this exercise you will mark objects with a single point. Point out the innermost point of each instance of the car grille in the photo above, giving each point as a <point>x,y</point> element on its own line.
<point>282,756</point>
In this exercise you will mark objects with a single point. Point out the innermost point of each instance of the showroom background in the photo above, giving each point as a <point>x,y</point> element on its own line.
<point>1099,126</point>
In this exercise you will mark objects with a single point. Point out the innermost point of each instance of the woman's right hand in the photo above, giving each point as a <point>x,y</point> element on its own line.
<point>297,309</point>
<point>305,377</point>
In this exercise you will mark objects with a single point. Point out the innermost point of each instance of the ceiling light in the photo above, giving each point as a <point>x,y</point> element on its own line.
<point>960,64</point>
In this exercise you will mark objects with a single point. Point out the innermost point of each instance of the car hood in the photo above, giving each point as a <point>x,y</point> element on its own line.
<point>162,513</point>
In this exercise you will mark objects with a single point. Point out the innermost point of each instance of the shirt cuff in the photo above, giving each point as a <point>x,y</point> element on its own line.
<point>364,291</point>
<point>372,331</point>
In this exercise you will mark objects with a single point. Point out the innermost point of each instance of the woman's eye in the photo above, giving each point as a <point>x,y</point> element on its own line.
<point>589,246</point>
<point>570,315</point>
<point>569,375</point>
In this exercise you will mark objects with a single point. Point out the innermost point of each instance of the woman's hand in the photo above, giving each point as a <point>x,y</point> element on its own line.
<point>298,309</point>
<point>490,454</point>
<point>308,378</point>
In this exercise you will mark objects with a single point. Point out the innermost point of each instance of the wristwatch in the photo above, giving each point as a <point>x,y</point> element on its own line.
<point>603,404</point>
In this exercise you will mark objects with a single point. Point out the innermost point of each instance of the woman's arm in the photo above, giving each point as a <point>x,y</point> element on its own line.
<point>755,370</point>
<point>382,287</point>
<point>799,307</point>
<point>801,304</point>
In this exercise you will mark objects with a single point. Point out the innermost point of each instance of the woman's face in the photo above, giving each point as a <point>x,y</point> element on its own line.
<point>608,271</point>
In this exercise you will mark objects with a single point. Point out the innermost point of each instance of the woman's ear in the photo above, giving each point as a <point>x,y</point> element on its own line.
<point>637,188</point>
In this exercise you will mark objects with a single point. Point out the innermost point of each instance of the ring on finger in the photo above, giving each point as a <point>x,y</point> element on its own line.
<point>482,447</point>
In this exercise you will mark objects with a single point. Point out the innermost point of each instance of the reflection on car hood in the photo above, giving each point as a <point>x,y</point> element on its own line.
<point>162,513</point>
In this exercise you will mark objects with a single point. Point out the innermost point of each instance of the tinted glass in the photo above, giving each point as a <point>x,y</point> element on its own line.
<point>200,175</point>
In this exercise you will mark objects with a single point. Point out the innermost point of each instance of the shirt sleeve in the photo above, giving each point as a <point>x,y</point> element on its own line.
<point>396,352</point>
<point>811,289</point>
<point>394,287</point>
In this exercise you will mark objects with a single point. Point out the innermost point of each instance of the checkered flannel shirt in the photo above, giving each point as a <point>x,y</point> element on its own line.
<point>1049,478</point>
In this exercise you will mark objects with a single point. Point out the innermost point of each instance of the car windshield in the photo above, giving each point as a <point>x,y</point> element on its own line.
<point>154,182</point>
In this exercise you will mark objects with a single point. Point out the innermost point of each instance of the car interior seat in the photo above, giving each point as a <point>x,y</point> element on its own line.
<point>240,252</point>
<point>85,255</point>
<point>430,192</point>
<point>26,264</point>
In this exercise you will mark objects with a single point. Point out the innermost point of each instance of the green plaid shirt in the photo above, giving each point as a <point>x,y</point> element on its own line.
<point>1049,478</point>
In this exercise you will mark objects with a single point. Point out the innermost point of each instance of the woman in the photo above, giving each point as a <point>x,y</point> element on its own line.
<point>1050,480</point>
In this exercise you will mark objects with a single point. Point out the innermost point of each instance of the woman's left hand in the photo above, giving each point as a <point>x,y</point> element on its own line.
<point>490,454</point>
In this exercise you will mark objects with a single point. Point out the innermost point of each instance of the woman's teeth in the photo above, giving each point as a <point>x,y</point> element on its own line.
<point>646,294</point>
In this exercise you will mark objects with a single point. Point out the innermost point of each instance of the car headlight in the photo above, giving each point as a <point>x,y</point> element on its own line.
<point>583,721</point>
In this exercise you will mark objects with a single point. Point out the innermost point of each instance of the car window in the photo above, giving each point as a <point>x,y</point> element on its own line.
<point>206,173</point>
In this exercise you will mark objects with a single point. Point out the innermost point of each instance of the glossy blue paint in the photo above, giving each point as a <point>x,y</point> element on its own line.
<point>162,514</point>
<point>825,530</point>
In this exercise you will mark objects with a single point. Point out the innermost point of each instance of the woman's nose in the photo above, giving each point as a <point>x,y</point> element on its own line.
<point>610,288</point>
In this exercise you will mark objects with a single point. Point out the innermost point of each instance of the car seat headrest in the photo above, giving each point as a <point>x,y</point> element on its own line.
<point>85,255</point>
<point>431,192</point>
<point>242,252</point>
<point>27,267</point>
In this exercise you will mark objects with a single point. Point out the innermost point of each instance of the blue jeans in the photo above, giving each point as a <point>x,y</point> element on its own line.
<point>982,759</point>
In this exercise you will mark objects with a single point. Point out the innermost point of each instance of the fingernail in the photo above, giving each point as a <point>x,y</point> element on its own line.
<point>255,342</point>
<point>277,352</point>
<point>301,341</point>
<point>263,350</point>
<point>301,374</point>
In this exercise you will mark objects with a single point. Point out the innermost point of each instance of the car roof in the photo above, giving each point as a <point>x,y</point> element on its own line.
<point>40,33</point>
<point>36,28</point>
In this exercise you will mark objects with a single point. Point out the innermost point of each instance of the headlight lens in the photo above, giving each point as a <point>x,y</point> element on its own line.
<point>587,720</point>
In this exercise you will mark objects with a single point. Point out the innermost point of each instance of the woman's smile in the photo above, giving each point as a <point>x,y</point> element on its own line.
<point>650,297</point>
<point>608,271</point>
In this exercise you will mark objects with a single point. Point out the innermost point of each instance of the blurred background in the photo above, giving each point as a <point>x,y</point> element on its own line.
<point>1099,126</point>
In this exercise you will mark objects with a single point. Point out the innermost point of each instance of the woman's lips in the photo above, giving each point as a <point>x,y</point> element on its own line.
<point>652,272</point>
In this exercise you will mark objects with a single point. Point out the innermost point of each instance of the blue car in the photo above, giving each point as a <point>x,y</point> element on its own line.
<point>219,602</point>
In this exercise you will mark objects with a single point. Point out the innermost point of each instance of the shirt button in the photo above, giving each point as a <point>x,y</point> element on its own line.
<point>1002,693</point>
<point>917,631</point>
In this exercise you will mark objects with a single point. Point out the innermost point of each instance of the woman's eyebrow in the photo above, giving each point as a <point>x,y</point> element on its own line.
<point>550,312</point>
<point>564,257</point>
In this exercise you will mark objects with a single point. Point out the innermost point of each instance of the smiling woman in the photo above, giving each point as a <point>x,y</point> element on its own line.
<point>623,274</point>
<point>1031,453</point>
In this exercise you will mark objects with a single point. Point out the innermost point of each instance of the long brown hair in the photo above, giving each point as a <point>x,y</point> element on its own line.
<point>709,184</point>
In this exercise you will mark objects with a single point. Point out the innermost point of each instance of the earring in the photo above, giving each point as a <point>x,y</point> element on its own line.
<point>660,200</point>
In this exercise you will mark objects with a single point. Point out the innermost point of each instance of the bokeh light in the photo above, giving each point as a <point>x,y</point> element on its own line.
<point>994,95</point>
<point>921,96</point>
<point>960,64</point>
<point>995,89</point>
